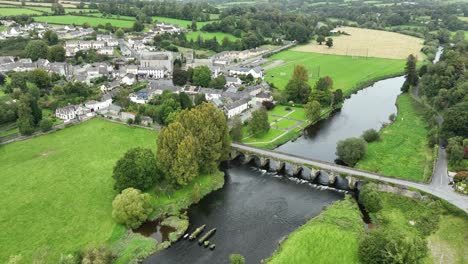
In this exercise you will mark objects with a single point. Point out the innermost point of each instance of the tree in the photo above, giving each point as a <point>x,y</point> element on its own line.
<point>185,166</point>
<point>236,130</point>
<point>351,150</point>
<point>179,76</point>
<point>25,119</point>
<point>131,207</point>
<point>56,53</point>
<point>36,49</point>
<point>138,26</point>
<point>301,73</point>
<point>258,123</point>
<point>391,246</point>
<point>411,72</point>
<point>370,198</point>
<point>57,9</point>
<point>200,99</point>
<point>40,78</point>
<point>218,82</point>
<point>45,125</point>
<point>312,110</point>
<point>119,33</point>
<point>97,255</point>
<point>185,101</point>
<point>370,135</point>
<point>324,83</point>
<point>297,90</point>
<point>168,142</point>
<point>337,96</point>
<point>455,121</point>
<point>455,150</point>
<point>320,39</point>
<point>201,76</point>
<point>194,25</point>
<point>329,42</point>
<point>51,37</point>
<point>137,169</point>
<point>236,259</point>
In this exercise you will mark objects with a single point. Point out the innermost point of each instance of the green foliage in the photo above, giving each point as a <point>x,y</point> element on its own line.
<point>36,49</point>
<point>455,150</point>
<point>297,90</point>
<point>56,53</point>
<point>45,124</point>
<point>97,255</point>
<point>312,110</point>
<point>258,123</point>
<point>320,39</point>
<point>370,135</point>
<point>329,42</point>
<point>236,259</point>
<point>179,76</point>
<point>200,99</point>
<point>185,167</point>
<point>136,169</point>
<point>369,197</point>
<point>236,130</point>
<point>201,76</point>
<point>138,26</point>
<point>456,121</point>
<point>131,208</point>
<point>411,72</point>
<point>25,120</point>
<point>218,82</point>
<point>351,150</point>
<point>119,33</point>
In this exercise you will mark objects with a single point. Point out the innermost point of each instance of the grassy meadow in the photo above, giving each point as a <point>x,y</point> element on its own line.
<point>402,150</point>
<point>348,73</point>
<point>80,20</point>
<point>57,189</point>
<point>180,22</point>
<point>209,35</point>
<point>7,11</point>
<point>332,237</point>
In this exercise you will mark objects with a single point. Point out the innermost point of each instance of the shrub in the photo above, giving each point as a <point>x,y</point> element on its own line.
<point>236,259</point>
<point>131,207</point>
<point>461,176</point>
<point>370,198</point>
<point>268,105</point>
<point>392,246</point>
<point>351,150</point>
<point>97,255</point>
<point>45,125</point>
<point>370,135</point>
<point>392,117</point>
<point>137,169</point>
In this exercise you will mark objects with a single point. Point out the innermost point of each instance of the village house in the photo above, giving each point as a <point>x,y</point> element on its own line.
<point>124,116</point>
<point>109,51</point>
<point>129,79</point>
<point>211,94</point>
<point>256,72</point>
<point>157,60</point>
<point>236,107</point>
<point>146,120</point>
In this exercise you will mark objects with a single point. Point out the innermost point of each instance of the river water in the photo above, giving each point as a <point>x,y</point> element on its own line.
<point>366,109</point>
<point>252,213</point>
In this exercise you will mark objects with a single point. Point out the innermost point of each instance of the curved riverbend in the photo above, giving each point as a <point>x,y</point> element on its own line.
<point>252,213</point>
<point>368,108</point>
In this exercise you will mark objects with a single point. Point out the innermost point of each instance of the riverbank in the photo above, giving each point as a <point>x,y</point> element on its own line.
<point>331,237</point>
<point>402,150</point>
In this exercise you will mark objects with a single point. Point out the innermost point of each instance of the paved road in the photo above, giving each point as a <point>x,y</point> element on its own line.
<point>438,187</point>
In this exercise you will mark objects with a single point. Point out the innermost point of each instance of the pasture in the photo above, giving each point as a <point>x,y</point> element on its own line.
<point>348,73</point>
<point>80,20</point>
<point>209,35</point>
<point>57,188</point>
<point>402,150</point>
<point>14,11</point>
<point>19,3</point>
<point>369,43</point>
<point>181,23</point>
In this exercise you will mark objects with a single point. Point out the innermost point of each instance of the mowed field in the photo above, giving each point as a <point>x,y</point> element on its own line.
<point>57,189</point>
<point>347,72</point>
<point>180,22</point>
<point>209,35</point>
<point>13,11</point>
<point>80,20</point>
<point>34,3</point>
<point>402,150</point>
<point>369,43</point>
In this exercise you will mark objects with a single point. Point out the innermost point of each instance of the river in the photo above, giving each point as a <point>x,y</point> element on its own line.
<point>252,213</point>
<point>366,109</point>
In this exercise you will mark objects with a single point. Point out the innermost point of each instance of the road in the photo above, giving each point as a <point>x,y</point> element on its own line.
<point>438,187</point>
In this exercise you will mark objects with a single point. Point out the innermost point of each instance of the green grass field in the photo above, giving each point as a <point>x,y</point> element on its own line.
<point>112,16</point>
<point>57,189</point>
<point>6,11</point>
<point>402,150</point>
<point>180,22</point>
<point>332,237</point>
<point>348,73</point>
<point>80,20</point>
<point>209,35</point>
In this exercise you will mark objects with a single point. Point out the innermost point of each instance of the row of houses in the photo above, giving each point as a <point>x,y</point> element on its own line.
<point>102,46</point>
<point>227,57</point>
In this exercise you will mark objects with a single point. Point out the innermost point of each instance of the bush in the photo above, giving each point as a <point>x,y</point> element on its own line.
<point>369,198</point>
<point>97,255</point>
<point>45,125</point>
<point>461,176</point>
<point>131,208</point>
<point>392,117</point>
<point>136,169</point>
<point>236,259</point>
<point>392,246</point>
<point>370,135</point>
<point>351,150</point>
<point>268,105</point>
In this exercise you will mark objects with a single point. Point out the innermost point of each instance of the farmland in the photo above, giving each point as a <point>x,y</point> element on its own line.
<point>402,150</point>
<point>348,73</point>
<point>209,35</point>
<point>179,22</point>
<point>60,186</point>
<point>7,11</point>
<point>369,43</point>
<point>79,20</point>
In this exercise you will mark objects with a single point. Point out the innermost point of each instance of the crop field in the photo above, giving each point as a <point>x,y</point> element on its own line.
<point>12,11</point>
<point>347,72</point>
<point>80,20</point>
<point>181,23</point>
<point>209,35</point>
<point>369,43</point>
<point>57,189</point>
<point>402,150</point>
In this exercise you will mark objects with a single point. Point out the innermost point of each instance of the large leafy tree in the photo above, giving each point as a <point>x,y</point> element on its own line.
<point>56,53</point>
<point>456,121</point>
<point>312,109</point>
<point>298,89</point>
<point>351,150</point>
<point>136,169</point>
<point>185,166</point>
<point>258,123</point>
<point>25,120</point>
<point>236,130</point>
<point>131,207</point>
<point>36,49</point>
<point>411,72</point>
<point>201,76</point>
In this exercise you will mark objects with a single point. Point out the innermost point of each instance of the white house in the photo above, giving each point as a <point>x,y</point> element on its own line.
<point>127,115</point>
<point>133,69</point>
<point>256,72</point>
<point>128,79</point>
<point>66,113</point>
<point>152,72</point>
<point>103,104</point>
<point>211,94</point>
<point>233,81</point>
<point>236,107</point>
<point>106,51</point>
